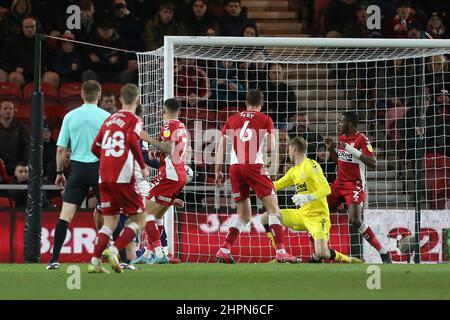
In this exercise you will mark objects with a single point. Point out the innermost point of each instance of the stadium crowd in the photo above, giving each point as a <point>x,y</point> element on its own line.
<point>138,25</point>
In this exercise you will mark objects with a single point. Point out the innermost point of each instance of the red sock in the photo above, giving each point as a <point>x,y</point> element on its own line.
<point>278,235</point>
<point>231,238</point>
<point>125,238</point>
<point>101,242</point>
<point>372,239</point>
<point>153,233</point>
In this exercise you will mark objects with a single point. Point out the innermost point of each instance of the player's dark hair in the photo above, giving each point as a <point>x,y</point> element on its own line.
<point>173,105</point>
<point>91,90</point>
<point>299,144</point>
<point>108,94</point>
<point>227,2</point>
<point>254,98</point>
<point>352,117</point>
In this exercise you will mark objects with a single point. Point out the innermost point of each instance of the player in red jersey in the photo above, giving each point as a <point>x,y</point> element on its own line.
<point>172,144</point>
<point>353,154</point>
<point>117,147</point>
<point>247,131</point>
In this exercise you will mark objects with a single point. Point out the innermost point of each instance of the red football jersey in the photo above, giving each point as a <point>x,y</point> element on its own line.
<point>117,147</point>
<point>247,130</point>
<point>350,169</point>
<point>172,166</point>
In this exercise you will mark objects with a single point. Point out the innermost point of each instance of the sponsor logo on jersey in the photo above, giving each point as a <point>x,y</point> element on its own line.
<point>162,198</point>
<point>345,156</point>
<point>301,187</point>
<point>166,133</point>
<point>369,147</point>
<point>237,195</point>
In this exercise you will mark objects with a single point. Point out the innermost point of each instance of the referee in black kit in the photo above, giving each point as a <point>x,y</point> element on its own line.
<point>79,128</point>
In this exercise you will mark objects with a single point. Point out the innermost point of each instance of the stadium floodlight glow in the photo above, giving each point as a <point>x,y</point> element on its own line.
<point>393,84</point>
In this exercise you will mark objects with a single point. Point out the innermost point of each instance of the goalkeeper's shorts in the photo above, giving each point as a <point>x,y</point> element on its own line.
<point>318,225</point>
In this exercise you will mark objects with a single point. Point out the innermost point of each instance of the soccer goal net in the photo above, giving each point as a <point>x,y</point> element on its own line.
<point>398,89</point>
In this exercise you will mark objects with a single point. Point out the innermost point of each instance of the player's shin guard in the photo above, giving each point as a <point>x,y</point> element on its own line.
<point>233,232</point>
<point>368,234</point>
<point>269,235</point>
<point>338,257</point>
<point>101,241</point>
<point>128,234</point>
<point>277,231</point>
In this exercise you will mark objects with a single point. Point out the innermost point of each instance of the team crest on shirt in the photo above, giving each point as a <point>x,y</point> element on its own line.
<point>369,147</point>
<point>301,187</point>
<point>166,133</point>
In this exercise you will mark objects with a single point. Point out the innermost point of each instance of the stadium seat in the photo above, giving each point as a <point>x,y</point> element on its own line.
<point>208,115</point>
<point>114,87</point>
<point>10,92</point>
<point>6,203</point>
<point>54,113</point>
<point>56,202</point>
<point>23,113</point>
<point>70,95</point>
<point>437,178</point>
<point>51,94</point>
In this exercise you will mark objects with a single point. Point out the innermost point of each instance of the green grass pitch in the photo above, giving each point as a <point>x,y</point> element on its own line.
<point>240,281</point>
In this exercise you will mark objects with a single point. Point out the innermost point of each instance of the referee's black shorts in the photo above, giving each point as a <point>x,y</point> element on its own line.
<point>82,177</point>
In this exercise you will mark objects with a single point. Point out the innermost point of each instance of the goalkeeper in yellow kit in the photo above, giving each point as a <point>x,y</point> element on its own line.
<point>312,214</point>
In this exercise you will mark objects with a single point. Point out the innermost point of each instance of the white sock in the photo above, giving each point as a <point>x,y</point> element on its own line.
<point>165,250</point>
<point>147,254</point>
<point>159,252</point>
<point>281,251</point>
<point>95,261</point>
<point>224,250</point>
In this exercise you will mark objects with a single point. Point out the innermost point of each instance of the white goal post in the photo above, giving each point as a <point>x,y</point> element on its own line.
<point>395,86</point>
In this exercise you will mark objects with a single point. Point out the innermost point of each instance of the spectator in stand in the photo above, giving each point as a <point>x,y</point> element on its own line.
<point>67,61</point>
<point>198,18</point>
<point>87,30</point>
<point>232,23</point>
<point>416,32</point>
<point>250,30</point>
<point>17,59</point>
<point>192,84</point>
<point>405,17</point>
<point>106,65</point>
<point>303,129</point>
<point>145,10</point>
<point>358,27</point>
<point>227,88</point>
<point>108,102</point>
<point>436,28</point>
<point>280,100</point>
<point>338,16</point>
<point>128,26</point>
<point>14,137</point>
<point>395,93</point>
<point>11,24</point>
<point>163,24</point>
<point>328,165</point>
<point>49,149</point>
<point>4,178</point>
<point>437,132</point>
<point>436,72</point>
<point>210,31</point>
<point>19,197</point>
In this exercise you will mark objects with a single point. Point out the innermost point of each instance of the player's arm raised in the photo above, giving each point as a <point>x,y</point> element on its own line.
<point>164,146</point>
<point>220,154</point>
<point>329,143</point>
<point>365,154</point>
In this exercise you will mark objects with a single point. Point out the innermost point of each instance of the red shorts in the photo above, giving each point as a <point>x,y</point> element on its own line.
<point>117,198</point>
<point>246,176</point>
<point>165,191</point>
<point>345,192</point>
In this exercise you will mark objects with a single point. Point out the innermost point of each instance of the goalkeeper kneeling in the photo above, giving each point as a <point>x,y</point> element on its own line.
<point>312,214</point>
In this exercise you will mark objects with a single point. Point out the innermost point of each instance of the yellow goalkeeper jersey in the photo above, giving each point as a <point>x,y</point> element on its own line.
<point>308,178</point>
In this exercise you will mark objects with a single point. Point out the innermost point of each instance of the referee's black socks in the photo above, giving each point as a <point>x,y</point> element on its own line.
<point>60,236</point>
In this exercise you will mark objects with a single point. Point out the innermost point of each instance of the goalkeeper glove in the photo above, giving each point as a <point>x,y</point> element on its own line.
<point>302,199</point>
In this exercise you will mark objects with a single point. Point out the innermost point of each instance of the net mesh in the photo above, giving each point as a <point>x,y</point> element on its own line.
<point>402,102</point>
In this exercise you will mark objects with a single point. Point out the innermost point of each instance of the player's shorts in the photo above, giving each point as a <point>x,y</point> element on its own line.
<point>317,225</point>
<point>120,198</point>
<point>246,176</point>
<point>144,188</point>
<point>165,191</point>
<point>83,176</point>
<point>345,192</point>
